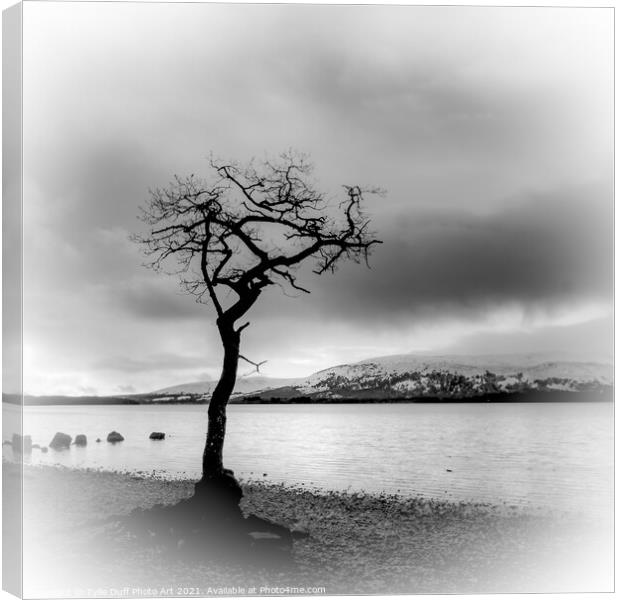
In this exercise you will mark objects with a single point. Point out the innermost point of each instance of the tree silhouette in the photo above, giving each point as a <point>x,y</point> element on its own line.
<point>230,237</point>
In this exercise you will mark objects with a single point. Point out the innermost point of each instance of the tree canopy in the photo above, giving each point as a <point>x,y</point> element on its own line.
<point>250,226</point>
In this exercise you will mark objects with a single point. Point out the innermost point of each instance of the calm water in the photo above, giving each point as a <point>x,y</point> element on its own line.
<point>535,454</point>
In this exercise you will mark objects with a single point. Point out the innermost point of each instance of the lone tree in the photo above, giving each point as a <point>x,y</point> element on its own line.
<point>248,227</point>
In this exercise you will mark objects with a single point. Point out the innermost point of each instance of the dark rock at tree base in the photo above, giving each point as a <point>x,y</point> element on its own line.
<point>44,449</point>
<point>98,440</point>
<point>22,443</point>
<point>80,440</point>
<point>115,436</point>
<point>221,493</point>
<point>60,440</point>
<point>157,435</point>
<point>211,525</point>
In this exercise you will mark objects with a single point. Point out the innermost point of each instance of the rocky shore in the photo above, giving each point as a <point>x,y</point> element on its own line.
<point>356,543</point>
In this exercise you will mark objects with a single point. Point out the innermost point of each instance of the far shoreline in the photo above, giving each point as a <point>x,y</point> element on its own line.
<point>531,396</point>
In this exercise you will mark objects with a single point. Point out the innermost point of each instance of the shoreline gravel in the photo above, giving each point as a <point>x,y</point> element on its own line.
<point>357,544</point>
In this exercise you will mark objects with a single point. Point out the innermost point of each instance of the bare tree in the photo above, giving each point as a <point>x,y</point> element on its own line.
<point>245,229</point>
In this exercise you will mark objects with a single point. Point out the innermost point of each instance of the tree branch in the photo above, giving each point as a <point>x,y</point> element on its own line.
<point>257,365</point>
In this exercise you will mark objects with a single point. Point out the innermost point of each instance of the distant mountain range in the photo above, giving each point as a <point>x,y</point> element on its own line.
<point>403,377</point>
<point>415,376</point>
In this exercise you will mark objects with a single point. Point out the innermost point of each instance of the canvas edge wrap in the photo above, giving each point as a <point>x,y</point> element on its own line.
<point>12,280</point>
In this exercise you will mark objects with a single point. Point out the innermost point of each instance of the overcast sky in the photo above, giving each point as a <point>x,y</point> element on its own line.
<point>490,129</point>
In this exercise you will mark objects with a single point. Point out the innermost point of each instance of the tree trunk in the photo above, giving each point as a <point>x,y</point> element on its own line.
<point>212,458</point>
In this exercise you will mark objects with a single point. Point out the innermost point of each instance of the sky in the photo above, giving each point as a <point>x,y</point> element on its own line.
<point>489,128</point>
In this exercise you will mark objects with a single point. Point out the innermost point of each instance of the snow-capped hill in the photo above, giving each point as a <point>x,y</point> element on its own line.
<point>409,375</point>
<point>422,376</point>
<point>579,371</point>
<point>244,385</point>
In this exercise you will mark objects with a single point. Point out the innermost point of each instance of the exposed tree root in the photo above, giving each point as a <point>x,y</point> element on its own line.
<point>210,525</point>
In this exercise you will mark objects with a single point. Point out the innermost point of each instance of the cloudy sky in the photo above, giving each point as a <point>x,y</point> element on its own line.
<point>490,129</point>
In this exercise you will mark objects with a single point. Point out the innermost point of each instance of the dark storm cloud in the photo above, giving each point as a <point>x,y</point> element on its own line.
<point>535,251</point>
<point>155,299</point>
<point>538,251</point>
<point>416,108</point>
<point>97,187</point>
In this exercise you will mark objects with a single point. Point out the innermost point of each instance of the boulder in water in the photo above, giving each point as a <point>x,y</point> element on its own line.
<point>60,440</point>
<point>157,435</point>
<point>80,440</point>
<point>115,436</point>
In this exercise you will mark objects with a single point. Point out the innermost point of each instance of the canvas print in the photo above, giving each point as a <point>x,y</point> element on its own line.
<point>307,300</point>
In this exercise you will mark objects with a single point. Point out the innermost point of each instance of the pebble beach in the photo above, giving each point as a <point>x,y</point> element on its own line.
<point>356,544</point>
